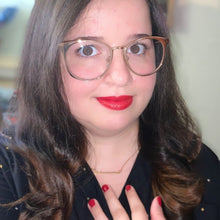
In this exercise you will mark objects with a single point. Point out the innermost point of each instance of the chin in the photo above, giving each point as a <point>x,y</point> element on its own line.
<point>113,127</point>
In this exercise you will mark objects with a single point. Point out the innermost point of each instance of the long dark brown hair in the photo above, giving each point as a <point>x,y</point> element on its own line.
<point>54,144</point>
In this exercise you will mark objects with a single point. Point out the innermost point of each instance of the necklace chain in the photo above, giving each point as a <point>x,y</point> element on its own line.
<point>117,171</point>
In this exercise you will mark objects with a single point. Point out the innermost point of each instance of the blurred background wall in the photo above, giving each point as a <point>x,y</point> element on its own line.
<point>195,38</point>
<point>14,15</point>
<point>196,43</point>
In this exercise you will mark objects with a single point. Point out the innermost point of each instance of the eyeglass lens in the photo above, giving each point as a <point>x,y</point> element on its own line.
<point>89,59</point>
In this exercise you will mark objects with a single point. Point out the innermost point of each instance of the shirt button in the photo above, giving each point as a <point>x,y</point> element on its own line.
<point>202,209</point>
<point>208,180</point>
<point>84,169</point>
<point>1,166</point>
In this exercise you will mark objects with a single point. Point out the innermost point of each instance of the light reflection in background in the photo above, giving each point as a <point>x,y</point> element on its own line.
<point>11,40</point>
<point>12,33</point>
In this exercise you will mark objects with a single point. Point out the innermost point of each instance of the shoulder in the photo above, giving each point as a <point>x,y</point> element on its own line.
<point>6,154</point>
<point>207,163</point>
<point>208,166</point>
<point>8,157</point>
<point>12,175</point>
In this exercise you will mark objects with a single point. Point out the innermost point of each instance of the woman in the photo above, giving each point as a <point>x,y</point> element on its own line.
<point>98,105</point>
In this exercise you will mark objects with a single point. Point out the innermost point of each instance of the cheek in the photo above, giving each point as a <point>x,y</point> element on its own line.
<point>145,88</point>
<point>78,94</point>
<point>72,87</point>
<point>74,94</point>
<point>146,84</point>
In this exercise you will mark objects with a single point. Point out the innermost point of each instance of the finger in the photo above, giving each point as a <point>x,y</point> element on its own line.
<point>96,210</point>
<point>137,208</point>
<point>156,210</point>
<point>115,207</point>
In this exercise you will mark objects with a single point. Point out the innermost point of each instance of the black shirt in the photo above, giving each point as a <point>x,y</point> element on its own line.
<point>13,185</point>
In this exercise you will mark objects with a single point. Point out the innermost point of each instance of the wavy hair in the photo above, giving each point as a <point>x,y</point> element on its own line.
<point>54,144</point>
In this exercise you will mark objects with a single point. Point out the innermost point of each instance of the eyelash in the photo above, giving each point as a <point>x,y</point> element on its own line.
<point>80,50</point>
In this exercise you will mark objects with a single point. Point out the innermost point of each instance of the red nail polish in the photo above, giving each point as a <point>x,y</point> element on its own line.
<point>91,202</point>
<point>159,200</point>
<point>128,187</point>
<point>105,188</point>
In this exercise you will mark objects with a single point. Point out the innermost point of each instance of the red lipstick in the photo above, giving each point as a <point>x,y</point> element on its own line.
<point>116,102</point>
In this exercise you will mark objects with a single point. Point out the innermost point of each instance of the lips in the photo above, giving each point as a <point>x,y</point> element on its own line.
<point>116,103</point>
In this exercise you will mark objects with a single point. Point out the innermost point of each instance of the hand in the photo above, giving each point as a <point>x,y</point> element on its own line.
<point>138,211</point>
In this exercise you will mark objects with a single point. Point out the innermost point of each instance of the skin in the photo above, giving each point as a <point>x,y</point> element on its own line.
<point>102,19</point>
<point>106,128</point>
<point>117,211</point>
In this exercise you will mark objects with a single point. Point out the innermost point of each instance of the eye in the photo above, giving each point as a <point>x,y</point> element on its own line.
<point>87,51</point>
<point>137,49</point>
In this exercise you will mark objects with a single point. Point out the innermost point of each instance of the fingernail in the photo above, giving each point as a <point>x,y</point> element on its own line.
<point>128,187</point>
<point>91,202</point>
<point>159,200</point>
<point>105,188</point>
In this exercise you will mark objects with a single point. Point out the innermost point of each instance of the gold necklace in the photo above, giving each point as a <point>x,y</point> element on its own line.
<point>117,171</point>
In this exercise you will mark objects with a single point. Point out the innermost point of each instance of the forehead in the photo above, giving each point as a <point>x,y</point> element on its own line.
<point>113,18</point>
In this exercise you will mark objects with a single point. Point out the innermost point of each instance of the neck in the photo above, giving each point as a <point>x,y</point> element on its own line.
<point>108,153</point>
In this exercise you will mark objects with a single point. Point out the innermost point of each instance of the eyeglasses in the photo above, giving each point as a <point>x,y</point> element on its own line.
<point>88,59</point>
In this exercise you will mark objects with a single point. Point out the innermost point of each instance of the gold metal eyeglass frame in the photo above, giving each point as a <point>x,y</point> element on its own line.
<point>66,44</point>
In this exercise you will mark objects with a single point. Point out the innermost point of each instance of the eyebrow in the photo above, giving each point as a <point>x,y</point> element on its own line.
<point>132,36</point>
<point>135,36</point>
<point>99,38</point>
<point>91,38</point>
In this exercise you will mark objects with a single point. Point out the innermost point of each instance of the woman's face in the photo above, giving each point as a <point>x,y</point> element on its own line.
<point>113,103</point>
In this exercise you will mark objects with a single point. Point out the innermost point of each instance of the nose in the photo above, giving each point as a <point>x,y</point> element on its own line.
<point>118,72</point>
